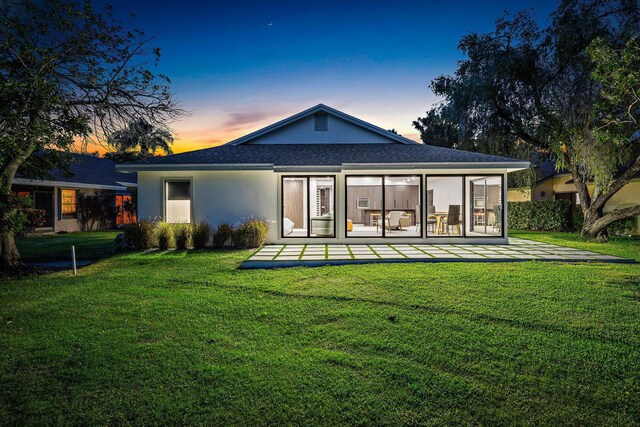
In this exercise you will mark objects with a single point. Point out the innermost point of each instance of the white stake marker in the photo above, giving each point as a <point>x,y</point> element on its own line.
<point>73,259</point>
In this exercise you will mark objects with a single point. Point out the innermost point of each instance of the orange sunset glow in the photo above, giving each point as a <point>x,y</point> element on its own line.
<point>198,131</point>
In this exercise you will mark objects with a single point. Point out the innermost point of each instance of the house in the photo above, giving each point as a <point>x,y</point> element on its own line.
<point>58,198</point>
<point>323,176</point>
<point>558,185</point>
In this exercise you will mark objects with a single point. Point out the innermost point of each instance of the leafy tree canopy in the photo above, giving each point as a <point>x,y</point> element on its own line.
<point>140,138</point>
<point>68,73</point>
<point>524,90</point>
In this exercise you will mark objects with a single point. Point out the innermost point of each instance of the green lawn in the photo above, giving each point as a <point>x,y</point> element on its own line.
<point>186,337</point>
<point>56,247</point>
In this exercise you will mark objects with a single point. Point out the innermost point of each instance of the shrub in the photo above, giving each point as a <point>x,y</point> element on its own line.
<point>250,234</point>
<point>166,238</point>
<point>182,233</point>
<point>142,235</point>
<point>24,219</point>
<point>28,220</point>
<point>201,235</point>
<point>540,215</point>
<point>623,227</point>
<point>96,211</point>
<point>223,234</point>
<point>577,219</point>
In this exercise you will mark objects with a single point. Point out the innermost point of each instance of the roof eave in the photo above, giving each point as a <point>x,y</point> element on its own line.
<point>68,184</point>
<point>192,166</point>
<point>508,166</point>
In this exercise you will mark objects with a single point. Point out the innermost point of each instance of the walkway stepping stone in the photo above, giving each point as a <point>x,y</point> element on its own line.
<point>273,256</point>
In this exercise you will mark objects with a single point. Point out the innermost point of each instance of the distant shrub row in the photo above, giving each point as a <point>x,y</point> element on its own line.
<point>148,234</point>
<point>540,215</point>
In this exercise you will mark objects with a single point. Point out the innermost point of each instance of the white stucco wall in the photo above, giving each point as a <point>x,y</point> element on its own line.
<point>217,196</point>
<point>338,132</point>
<point>234,196</point>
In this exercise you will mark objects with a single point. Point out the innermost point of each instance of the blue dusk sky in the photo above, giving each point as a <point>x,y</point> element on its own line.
<point>238,66</point>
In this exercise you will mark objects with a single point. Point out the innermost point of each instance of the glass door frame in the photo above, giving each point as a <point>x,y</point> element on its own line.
<point>383,208</point>
<point>464,204</point>
<point>306,178</point>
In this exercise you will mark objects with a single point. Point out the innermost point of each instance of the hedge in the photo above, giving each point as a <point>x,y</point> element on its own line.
<point>147,235</point>
<point>540,215</point>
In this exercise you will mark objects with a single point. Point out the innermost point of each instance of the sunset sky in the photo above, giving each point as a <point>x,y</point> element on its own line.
<point>238,66</point>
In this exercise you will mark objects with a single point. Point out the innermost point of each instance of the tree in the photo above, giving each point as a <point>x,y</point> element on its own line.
<point>67,72</point>
<point>96,210</point>
<point>536,90</point>
<point>140,138</point>
<point>437,128</point>
<point>617,118</point>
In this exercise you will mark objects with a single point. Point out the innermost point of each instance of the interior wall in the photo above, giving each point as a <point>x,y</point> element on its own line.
<point>446,191</point>
<point>373,192</point>
<point>294,192</point>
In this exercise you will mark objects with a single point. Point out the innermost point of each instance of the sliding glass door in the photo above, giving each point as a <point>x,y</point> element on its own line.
<point>464,206</point>
<point>402,206</point>
<point>484,206</point>
<point>364,206</point>
<point>308,204</point>
<point>384,206</point>
<point>444,208</point>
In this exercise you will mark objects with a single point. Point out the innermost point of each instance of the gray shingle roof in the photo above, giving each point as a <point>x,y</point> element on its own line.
<point>324,155</point>
<point>87,169</point>
<point>95,170</point>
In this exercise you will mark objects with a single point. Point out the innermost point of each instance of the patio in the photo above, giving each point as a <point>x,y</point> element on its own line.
<point>276,256</point>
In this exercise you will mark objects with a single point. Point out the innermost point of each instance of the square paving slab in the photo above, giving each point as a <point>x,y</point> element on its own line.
<point>518,250</point>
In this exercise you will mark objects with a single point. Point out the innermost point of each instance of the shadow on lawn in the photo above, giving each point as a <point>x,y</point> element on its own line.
<point>480,317</point>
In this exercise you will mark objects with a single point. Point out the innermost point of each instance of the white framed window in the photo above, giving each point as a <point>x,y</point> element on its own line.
<point>177,201</point>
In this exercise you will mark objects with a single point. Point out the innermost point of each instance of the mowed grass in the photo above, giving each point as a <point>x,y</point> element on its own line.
<point>89,245</point>
<point>186,337</point>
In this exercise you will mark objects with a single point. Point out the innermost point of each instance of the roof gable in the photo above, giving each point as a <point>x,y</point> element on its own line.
<point>300,129</point>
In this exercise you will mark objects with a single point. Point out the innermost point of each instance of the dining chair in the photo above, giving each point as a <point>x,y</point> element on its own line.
<point>453,219</point>
<point>431,218</point>
<point>393,220</point>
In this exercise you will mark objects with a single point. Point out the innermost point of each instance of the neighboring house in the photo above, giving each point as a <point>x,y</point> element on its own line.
<point>58,198</point>
<point>558,185</point>
<point>322,176</point>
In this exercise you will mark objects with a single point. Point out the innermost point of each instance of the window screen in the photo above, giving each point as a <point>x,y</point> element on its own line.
<point>178,190</point>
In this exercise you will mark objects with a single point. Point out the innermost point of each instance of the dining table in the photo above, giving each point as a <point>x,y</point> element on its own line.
<point>441,218</point>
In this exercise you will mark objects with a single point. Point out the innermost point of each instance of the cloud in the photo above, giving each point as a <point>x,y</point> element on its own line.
<point>242,119</point>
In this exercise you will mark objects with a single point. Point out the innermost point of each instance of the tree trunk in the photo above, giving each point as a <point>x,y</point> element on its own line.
<point>590,231</point>
<point>596,223</point>
<point>9,255</point>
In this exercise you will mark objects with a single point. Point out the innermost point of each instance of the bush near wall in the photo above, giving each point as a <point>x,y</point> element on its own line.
<point>250,234</point>
<point>141,235</point>
<point>144,235</point>
<point>540,215</point>
<point>223,234</point>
